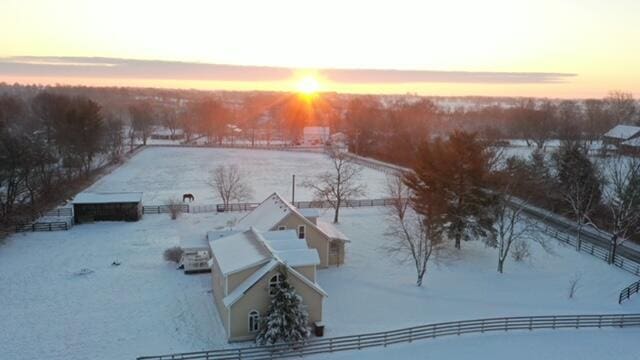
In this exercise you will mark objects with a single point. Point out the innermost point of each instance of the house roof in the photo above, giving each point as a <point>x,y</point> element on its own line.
<point>239,251</point>
<point>635,143</point>
<point>107,198</point>
<point>266,215</point>
<point>248,283</point>
<point>272,210</point>
<point>319,130</point>
<point>331,231</point>
<point>194,243</point>
<point>623,132</point>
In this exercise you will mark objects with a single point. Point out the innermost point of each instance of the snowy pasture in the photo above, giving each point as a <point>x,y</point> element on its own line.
<point>165,172</point>
<point>63,299</point>
<point>374,292</point>
<point>589,344</point>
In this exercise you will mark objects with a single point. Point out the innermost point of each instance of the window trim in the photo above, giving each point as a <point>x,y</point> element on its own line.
<point>274,283</point>
<point>253,316</point>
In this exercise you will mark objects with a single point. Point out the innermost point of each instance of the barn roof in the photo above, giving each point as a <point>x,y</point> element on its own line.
<point>623,132</point>
<point>107,198</point>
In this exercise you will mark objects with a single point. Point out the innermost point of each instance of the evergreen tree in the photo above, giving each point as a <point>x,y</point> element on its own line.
<point>453,174</point>
<point>286,320</point>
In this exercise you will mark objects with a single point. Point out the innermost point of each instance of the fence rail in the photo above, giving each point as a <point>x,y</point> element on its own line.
<point>43,226</point>
<point>407,335</point>
<point>187,208</point>
<point>626,293</point>
<point>61,211</point>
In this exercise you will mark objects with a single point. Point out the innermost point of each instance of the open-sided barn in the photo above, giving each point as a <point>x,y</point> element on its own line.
<point>88,207</point>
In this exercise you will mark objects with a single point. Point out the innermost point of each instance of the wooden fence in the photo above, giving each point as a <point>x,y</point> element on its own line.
<point>162,209</point>
<point>626,293</point>
<point>44,226</point>
<point>187,208</point>
<point>61,211</point>
<point>407,335</point>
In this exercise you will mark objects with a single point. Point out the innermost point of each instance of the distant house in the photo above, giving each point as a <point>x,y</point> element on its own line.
<point>276,213</point>
<point>125,206</point>
<point>246,266</point>
<point>167,134</point>
<point>315,135</point>
<point>620,134</point>
<point>631,146</point>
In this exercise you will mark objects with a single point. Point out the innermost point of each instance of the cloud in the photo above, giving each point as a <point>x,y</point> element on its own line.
<point>113,68</point>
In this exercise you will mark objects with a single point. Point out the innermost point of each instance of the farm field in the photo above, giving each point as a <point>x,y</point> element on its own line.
<point>78,305</point>
<point>579,344</point>
<point>164,172</point>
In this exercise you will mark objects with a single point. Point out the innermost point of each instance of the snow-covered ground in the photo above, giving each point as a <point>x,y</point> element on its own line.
<point>589,344</point>
<point>373,292</point>
<point>63,299</point>
<point>164,172</point>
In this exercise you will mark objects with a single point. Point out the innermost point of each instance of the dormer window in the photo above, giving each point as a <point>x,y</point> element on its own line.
<point>282,227</point>
<point>301,231</point>
<point>274,283</point>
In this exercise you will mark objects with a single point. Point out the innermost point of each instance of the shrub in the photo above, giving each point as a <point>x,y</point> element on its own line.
<point>175,208</point>
<point>173,254</point>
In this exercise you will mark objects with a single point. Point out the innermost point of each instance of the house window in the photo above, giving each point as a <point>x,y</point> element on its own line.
<point>274,283</point>
<point>334,248</point>
<point>301,232</point>
<point>254,321</point>
<point>282,227</point>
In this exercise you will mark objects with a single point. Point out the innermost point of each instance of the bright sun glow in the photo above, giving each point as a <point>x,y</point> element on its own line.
<point>308,85</point>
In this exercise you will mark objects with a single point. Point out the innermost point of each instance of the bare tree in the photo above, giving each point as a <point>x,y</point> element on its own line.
<point>175,207</point>
<point>414,237</point>
<point>622,196</point>
<point>229,183</point>
<point>142,120</point>
<point>574,285</point>
<point>339,185</point>
<point>510,225</point>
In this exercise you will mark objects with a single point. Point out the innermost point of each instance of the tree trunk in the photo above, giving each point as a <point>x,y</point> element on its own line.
<point>500,265</point>
<point>335,215</point>
<point>457,246</point>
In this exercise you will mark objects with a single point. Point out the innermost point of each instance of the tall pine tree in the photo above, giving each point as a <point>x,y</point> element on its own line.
<point>286,320</point>
<point>453,174</point>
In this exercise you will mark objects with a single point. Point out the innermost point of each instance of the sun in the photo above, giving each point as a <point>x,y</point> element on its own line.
<point>308,85</point>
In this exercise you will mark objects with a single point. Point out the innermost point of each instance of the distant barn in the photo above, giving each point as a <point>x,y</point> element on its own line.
<point>620,134</point>
<point>89,207</point>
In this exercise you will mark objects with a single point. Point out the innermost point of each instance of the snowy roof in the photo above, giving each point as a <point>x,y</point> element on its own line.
<point>623,132</point>
<point>275,208</point>
<point>239,251</point>
<point>289,249</point>
<point>107,198</point>
<point>632,143</point>
<point>331,231</point>
<point>217,234</point>
<point>248,283</point>
<point>266,215</point>
<point>243,250</point>
<point>309,213</point>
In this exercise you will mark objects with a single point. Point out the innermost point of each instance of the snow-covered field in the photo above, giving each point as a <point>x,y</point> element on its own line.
<point>373,292</point>
<point>164,172</point>
<point>590,344</point>
<point>63,299</point>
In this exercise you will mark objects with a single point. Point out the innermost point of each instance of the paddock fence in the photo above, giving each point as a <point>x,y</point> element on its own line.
<point>194,209</point>
<point>61,211</point>
<point>43,226</point>
<point>408,335</point>
<point>626,293</point>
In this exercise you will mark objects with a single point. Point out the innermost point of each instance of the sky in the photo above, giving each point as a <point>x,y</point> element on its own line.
<point>561,48</point>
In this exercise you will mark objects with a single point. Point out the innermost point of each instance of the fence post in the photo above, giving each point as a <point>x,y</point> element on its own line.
<point>578,322</point>
<point>530,323</point>
<point>385,339</point>
<point>410,334</point>
<point>359,348</point>
<point>553,326</point>
<point>600,321</point>
<point>331,345</point>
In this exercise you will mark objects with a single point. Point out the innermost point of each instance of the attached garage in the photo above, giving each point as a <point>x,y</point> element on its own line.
<point>89,207</point>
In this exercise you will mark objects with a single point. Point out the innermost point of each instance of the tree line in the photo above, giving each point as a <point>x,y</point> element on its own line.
<point>48,143</point>
<point>462,188</point>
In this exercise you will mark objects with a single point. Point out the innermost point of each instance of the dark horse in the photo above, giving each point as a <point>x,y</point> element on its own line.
<point>188,196</point>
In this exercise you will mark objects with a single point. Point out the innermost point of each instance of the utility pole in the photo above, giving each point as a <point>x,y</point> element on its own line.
<point>293,189</point>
